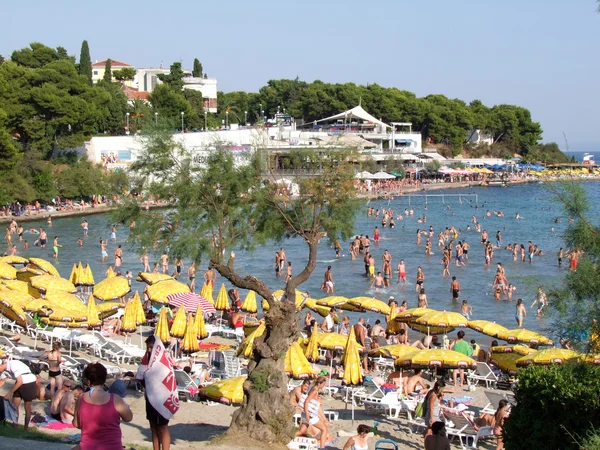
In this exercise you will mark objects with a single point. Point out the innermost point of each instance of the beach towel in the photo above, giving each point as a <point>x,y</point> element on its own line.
<point>159,379</point>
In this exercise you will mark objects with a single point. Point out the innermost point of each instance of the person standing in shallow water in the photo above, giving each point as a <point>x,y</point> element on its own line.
<point>520,313</point>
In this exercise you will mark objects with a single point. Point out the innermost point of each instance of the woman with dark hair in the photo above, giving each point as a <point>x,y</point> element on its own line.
<point>98,414</point>
<point>54,358</point>
<point>433,405</point>
<point>499,417</point>
<point>360,440</point>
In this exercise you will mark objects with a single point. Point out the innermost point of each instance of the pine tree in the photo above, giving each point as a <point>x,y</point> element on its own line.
<point>197,70</point>
<point>108,71</point>
<point>85,62</point>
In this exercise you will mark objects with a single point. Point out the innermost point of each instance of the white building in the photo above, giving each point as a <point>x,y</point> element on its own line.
<point>99,66</point>
<point>477,136</point>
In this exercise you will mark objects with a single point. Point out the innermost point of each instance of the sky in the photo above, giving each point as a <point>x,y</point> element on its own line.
<point>540,54</point>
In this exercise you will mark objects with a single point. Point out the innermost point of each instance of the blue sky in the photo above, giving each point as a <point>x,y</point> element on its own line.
<point>541,54</point>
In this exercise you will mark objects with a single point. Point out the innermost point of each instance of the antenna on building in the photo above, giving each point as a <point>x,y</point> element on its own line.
<point>161,65</point>
<point>359,101</point>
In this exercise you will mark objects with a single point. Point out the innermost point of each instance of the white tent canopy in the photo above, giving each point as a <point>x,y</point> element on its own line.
<point>358,112</point>
<point>364,175</point>
<point>382,176</point>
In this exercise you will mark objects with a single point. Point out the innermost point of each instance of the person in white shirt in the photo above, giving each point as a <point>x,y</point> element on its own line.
<point>24,388</point>
<point>328,323</point>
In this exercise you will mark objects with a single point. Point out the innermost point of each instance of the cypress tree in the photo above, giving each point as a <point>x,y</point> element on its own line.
<point>85,62</point>
<point>108,71</point>
<point>197,70</point>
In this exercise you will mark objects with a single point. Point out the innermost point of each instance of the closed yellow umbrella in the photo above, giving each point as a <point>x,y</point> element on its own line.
<point>79,275</point>
<point>207,293</point>
<point>518,349</point>
<point>14,259</point>
<point>222,303</point>
<point>228,392</point>
<point>16,285</point>
<point>249,304</point>
<point>88,276</point>
<point>332,301</point>
<point>442,319</point>
<point>352,363</point>
<point>412,314</point>
<point>162,326</point>
<point>111,288</point>
<point>128,324</point>
<point>110,273</point>
<point>486,327</point>
<point>548,356</point>
<point>506,362</point>
<point>190,340</point>
<point>44,266</point>
<point>179,323</point>
<point>246,348</point>
<point>92,313</point>
<point>370,304</point>
<point>73,276</point>
<point>526,336</point>
<point>312,349</point>
<point>140,316</point>
<point>444,359</point>
<point>7,271</point>
<point>393,326</point>
<point>265,305</point>
<point>199,325</point>
<point>46,283</point>
<point>158,292</point>
<point>296,364</point>
<point>249,327</point>
<point>153,278</point>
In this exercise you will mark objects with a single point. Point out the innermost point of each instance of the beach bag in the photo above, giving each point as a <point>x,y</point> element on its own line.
<point>420,409</point>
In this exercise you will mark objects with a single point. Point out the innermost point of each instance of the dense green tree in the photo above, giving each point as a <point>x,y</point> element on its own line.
<point>196,101</point>
<point>1,59</point>
<point>173,79</point>
<point>197,69</point>
<point>107,71</point>
<point>125,74</point>
<point>169,104</point>
<point>85,62</point>
<point>36,56</point>
<point>9,153</point>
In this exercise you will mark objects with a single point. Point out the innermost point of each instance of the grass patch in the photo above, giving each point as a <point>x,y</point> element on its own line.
<point>34,434</point>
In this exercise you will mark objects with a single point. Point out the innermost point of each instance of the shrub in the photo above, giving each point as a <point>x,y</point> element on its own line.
<point>555,405</point>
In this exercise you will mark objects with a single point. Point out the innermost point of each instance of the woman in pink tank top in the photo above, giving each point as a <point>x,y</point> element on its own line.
<point>98,414</point>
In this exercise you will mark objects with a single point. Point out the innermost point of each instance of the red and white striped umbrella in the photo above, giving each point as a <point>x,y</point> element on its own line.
<point>190,302</point>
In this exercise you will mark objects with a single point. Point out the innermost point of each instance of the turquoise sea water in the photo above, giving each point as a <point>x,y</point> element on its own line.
<point>533,202</point>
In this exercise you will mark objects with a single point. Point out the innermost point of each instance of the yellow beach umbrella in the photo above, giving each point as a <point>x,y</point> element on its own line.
<point>246,348</point>
<point>46,283</point>
<point>128,324</point>
<point>228,392</point>
<point>401,353</point>
<point>548,356</point>
<point>506,362</point>
<point>433,331</point>
<point>15,297</point>
<point>352,363</point>
<point>27,273</point>
<point>222,303</point>
<point>92,313</point>
<point>518,349</point>
<point>199,325</point>
<point>249,327</point>
<point>16,285</point>
<point>526,336</point>
<point>162,326</point>
<point>323,311</point>
<point>7,271</point>
<point>44,266</point>
<point>88,278</point>
<point>312,349</point>
<point>207,293</point>
<point>153,278</point>
<point>179,323</point>
<point>190,340</point>
<point>111,288</point>
<point>140,316</point>
<point>296,364</point>
<point>486,327</point>
<point>107,309</point>
<point>73,276</point>
<point>110,273</point>
<point>265,305</point>
<point>393,326</point>
<point>444,359</point>
<point>334,341</point>
<point>412,314</point>
<point>158,292</point>
<point>14,259</point>
<point>14,313</point>
<point>592,358</point>
<point>249,304</point>
<point>334,301</point>
<point>299,299</point>
<point>443,319</point>
<point>79,275</point>
<point>370,304</point>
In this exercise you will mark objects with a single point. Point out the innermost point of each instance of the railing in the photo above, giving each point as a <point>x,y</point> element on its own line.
<point>294,172</point>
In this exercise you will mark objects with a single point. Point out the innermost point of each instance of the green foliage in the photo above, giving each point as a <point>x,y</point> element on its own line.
<point>591,440</point>
<point>85,62</point>
<point>260,380</point>
<point>554,405</point>
<point>36,56</point>
<point>197,69</point>
<point>125,74</point>
<point>173,79</point>
<point>434,165</point>
<point>169,103</point>
<point>107,71</point>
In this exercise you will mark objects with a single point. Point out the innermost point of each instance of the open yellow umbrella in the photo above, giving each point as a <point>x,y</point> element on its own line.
<point>296,364</point>
<point>323,311</point>
<point>425,329</point>
<point>506,362</point>
<point>15,297</point>
<point>412,314</point>
<point>249,304</point>
<point>14,259</point>
<point>15,313</point>
<point>334,341</point>
<point>228,392</point>
<point>153,278</point>
<point>222,303</point>
<point>246,348</point>
<point>16,285</point>
<point>128,324</point>
<point>190,340</point>
<point>352,363</point>
<point>592,358</point>
<point>548,356</point>
<point>442,319</point>
<point>110,273</point>
<point>334,301</point>
<point>158,292</point>
<point>401,353</point>
<point>312,349</point>
<point>27,273</point>
<point>526,336</point>
<point>111,288</point>
<point>162,326</point>
<point>370,304</point>
<point>44,266</point>
<point>207,292</point>
<point>199,325</point>
<point>7,271</point>
<point>299,299</point>
<point>179,323</point>
<point>486,327</point>
<point>518,349</point>
<point>46,283</point>
<point>444,359</point>
<point>92,313</point>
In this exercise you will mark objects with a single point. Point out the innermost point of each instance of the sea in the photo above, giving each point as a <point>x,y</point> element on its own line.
<point>543,222</point>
